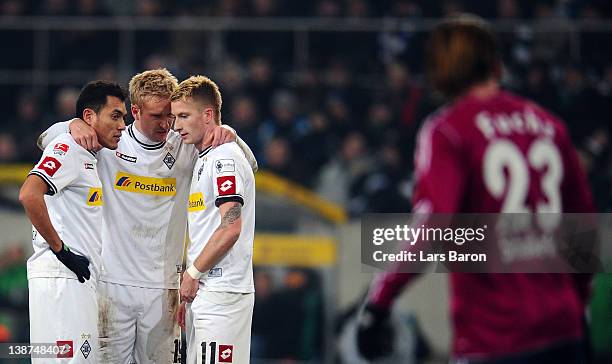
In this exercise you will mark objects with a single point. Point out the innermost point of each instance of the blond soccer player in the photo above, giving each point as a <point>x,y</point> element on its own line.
<point>217,288</point>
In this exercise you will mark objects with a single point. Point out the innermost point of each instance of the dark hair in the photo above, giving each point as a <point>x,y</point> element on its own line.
<point>93,96</point>
<point>462,51</point>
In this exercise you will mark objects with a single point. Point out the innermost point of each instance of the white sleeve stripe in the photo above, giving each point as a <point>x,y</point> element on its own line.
<point>47,181</point>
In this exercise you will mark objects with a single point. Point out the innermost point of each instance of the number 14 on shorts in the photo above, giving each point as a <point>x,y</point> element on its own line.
<point>225,353</point>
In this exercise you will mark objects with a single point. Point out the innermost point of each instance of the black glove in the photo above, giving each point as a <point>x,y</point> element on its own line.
<point>76,263</point>
<point>374,333</point>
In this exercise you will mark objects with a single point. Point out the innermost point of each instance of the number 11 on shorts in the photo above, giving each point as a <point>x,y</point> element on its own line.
<point>225,353</point>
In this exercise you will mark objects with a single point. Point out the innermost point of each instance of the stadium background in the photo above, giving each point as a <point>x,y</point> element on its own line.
<point>329,94</point>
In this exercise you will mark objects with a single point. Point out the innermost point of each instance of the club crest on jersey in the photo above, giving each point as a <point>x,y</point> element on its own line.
<point>169,160</point>
<point>60,149</point>
<point>225,165</point>
<point>226,353</point>
<point>50,165</point>
<point>94,197</point>
<point>86,349</point>
<point>226,185</point>
<point>125,157</point>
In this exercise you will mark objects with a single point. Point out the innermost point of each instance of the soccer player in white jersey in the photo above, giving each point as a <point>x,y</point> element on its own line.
<point>64,270</point>
<point>218,284</point>
<point>146,185</point>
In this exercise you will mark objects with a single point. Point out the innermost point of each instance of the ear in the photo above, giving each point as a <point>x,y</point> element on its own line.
<point>209,115</point>
<point>89,116</point>
<point>135,111</point>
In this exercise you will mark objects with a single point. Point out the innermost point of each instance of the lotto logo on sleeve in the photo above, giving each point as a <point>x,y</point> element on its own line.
<point>226,185</point>
<point>66,349</point>
<point>50,165</point>
<point>226,353</point>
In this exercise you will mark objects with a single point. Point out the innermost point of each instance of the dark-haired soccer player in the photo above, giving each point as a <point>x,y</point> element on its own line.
<point>489,150</point>
<point>62,197</point>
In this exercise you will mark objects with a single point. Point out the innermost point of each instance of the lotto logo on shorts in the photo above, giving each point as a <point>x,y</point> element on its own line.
<point>50,165</point>
<point>94,198</point>
<point>226,185</point>
<point>225,353</point>
<point>66,349</point>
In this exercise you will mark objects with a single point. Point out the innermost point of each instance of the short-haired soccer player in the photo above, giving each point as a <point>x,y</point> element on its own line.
<point>217,288</point>
<point>63,199</point>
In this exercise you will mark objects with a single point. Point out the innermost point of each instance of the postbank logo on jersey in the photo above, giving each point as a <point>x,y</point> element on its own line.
<point>94,197</point>
<point>196,202</point>
<point>146,185</point>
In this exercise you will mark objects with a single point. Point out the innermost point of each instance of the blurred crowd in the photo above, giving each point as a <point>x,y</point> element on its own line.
<point>319,8</point>
<point>344,122</point>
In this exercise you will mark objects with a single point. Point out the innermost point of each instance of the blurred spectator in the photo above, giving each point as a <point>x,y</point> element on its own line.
<point>26,126</point>
<point>279,159</point>
<point>262,83</point>
<point>381,189</point>
<point>65,104</point>
<point>8,148</point>
<point>244,120</point>
<point>316,145</point>
<point>148,8</point>
<point>89,8</point>
<point>284,121</point>
<point>12,8</point>
<point>339,174</point>
<point>54,7</point>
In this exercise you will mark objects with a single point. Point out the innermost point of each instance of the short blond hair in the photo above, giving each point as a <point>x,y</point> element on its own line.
<point>202,89</point>
<point>157,83</point>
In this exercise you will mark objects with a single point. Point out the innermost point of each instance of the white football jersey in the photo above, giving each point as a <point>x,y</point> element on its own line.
<point>146,190</point>
<point>146,187</point>
<point>74,203</point>
<point>223,174</point>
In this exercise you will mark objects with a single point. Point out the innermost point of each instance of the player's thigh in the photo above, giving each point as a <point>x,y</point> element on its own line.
<point>158,334</point>
<point>118,313</point>
<point>222,325</point>
<point>64,310</point>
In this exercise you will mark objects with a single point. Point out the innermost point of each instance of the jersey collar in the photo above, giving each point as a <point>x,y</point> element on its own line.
<point>205,151</point>
<point>142,144</point>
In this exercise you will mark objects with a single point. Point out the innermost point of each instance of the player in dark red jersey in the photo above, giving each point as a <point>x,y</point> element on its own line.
<point>491,151</point>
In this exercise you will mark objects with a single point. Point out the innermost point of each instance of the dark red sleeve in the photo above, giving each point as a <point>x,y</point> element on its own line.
<point>440,181</point>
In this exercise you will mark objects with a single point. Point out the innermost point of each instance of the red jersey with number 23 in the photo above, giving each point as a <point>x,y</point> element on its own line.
<point>501,154</point>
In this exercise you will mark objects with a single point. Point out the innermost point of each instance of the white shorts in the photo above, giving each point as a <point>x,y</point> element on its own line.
<point>137,324</point>
<point>218,327</point>
<point>63,309</point>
